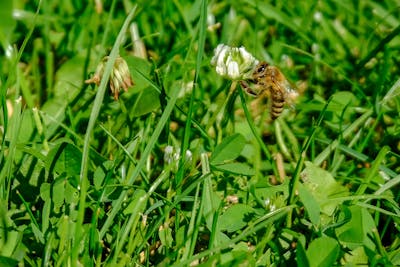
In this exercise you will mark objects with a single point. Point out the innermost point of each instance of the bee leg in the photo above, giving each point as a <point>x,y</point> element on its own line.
<point>246,87</point>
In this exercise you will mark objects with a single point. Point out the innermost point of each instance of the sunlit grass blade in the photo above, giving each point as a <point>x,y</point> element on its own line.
<point>257,134</point>
<point>93,118</point>
<point>379,47</point>
<point>374,170</point>
<point>141,163</point>
<point>261,223</point>
<point>346,133</point>
<point>202,27</point>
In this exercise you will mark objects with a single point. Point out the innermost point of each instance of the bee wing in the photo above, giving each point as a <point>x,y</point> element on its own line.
<point>291,92</point>
<point>285,87</point>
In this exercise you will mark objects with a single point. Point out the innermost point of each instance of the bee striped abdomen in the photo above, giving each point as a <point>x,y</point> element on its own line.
<point>278,101</point>
<point>269,79</point>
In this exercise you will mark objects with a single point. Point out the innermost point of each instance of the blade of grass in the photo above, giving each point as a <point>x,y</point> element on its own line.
<point>292,139</point>
<point>138,211</point>
<point>346,133</point>
<point>378,47</point>
<point>296,175</point>
<point>338,162</point>
<point>391,183</point>
<point>270,11</point>
<point>200,53</point>
<point>35,224</point>
<point>336,70</point>
<point>108,26</point>
<point>194,223</point>
<point>280,141</point>
<point>257,135</point>
<point>179,198</point>
<point>259,224</point>
<point>117,205</point>
<point>357,155</point>
<point>4,109</point>
<point>195,123</point>
<point>373,171</point>
<point>93,118</point>
<point>6,169</point>
<point>48,52</point>
<point>125,151</point>
<point>393,92</point>
<point>10,83</point>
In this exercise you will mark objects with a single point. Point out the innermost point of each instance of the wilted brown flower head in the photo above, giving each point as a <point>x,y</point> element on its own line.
<point>120,76</point>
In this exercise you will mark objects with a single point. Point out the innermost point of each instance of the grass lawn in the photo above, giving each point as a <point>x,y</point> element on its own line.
<point>122,145</point>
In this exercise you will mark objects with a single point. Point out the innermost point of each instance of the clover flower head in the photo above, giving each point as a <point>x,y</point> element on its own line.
<point>120,76</point>
<point>172,155</point>
<point>234,63</point>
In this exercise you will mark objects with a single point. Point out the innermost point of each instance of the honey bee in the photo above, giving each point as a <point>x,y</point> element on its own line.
<point>269,79</point>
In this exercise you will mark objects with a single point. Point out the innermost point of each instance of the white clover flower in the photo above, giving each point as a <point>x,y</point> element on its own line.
<point>188,156</point>
<point>318,16</point>
<point>172,155</point>
<point>233,69</point>
<point>168,154</point>
<point>234,63</point>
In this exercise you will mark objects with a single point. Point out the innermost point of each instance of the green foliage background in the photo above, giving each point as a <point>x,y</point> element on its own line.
<point>184,169</point>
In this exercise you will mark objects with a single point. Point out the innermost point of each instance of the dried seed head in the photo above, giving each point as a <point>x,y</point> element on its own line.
<point>120,76</point>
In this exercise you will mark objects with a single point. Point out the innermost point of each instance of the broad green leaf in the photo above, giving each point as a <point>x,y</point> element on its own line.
<point>144,102</point>
<point>180,236</point>
<point>266,192</point>
<point>143,97</point>
<point>64,230</point>
<point>342,104</point>
<point>67,86</point>
<point>58,195</point>
<point>45,191</point>
<point>69,79</point>
<point>240,255</point>
<point>38,234</point>
<point>310,204</point>
<point>165,235</point>
<point>7,23</point>
<point>301,256</point>
<point>101,173</point>
<point>98,177</point>
<point>235,218</point>
<point>135,202</point>
<point>229,149</point>
<point>236,168</point>
<point>343,98</point>
<point>46,211</point>
<point>323,187</point>
<point>10,239</point>
<point>357,257</point>
<point>25,123</point>
<point>94,244</point>
<point>140,71</point>
<point>356,232</point>
<point>71,193</point>
<point>7,261</point>
<point>322,252</point>
<point>395,257</point>
<point>66,158</point>
<point>211,203</point>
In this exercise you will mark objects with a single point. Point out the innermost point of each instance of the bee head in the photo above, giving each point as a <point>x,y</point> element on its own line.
<point>262,66</point>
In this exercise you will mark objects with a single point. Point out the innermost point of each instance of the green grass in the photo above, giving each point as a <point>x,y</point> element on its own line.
<point>185,169</point>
